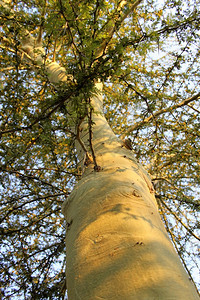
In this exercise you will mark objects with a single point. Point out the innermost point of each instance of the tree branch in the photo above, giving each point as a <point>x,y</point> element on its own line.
<point>175,244</point>
<point>180,221</point>
<point>160,112</point>
<point>112,28</point>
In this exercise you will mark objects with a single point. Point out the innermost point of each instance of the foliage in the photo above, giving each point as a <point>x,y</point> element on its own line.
<point>149,64</point>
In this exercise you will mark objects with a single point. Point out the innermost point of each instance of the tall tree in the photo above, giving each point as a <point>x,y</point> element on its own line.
<point>60,60</point>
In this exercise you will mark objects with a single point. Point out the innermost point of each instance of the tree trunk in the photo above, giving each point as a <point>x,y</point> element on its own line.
<point>117,246</point>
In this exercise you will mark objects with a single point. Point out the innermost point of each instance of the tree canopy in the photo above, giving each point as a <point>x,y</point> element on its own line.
<point>147,55</point>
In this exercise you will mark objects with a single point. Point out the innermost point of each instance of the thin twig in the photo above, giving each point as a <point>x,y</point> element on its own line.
<point>179,220</point>
<point>162,111</point>
<point>90,123</point>
<point>175,245</point>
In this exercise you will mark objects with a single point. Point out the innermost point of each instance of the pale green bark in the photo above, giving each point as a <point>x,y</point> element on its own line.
<point>117,246</point>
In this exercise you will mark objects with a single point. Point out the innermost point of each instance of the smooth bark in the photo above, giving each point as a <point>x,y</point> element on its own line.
<point>116,244</point>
